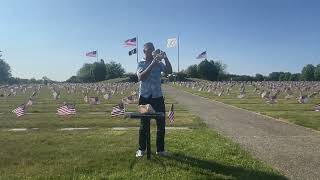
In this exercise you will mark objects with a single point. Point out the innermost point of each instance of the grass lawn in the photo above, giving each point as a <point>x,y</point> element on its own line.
<point>104,153</point>
<point>288,110</point>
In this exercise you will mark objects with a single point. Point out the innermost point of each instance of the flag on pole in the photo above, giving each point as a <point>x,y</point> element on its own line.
<point>34,94</point>
<point>29,102</point>
<point>118,110</point>
<point>130,42</point>
<point>66,110</point>
<point>171,114</point>
<point>317,107</point>
<point>92,54</point>
<point>133,51</point>
<point>172,42</point>
<point>20,110</point>
<point>202,55</point>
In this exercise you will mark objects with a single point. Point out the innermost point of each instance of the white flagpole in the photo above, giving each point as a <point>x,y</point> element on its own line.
<point>137,51</point>
<point>97,55</point>
<point>178,55</point>
<point>206,55</point>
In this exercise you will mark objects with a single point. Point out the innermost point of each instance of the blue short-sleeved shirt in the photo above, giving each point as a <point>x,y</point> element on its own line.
<point>152,85</point>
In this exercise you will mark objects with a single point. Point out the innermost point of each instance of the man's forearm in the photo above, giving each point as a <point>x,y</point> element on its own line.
<point>144,74</point>
<point>168,66</point>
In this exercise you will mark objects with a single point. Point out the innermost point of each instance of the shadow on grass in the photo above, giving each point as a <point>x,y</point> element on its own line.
<point>154,159</point>
<point>206,168</point>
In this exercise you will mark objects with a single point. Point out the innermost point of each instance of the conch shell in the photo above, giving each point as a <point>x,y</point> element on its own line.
<point>146,109</point>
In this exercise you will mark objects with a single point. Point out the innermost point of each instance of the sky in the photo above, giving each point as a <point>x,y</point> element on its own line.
<point>50,37</point>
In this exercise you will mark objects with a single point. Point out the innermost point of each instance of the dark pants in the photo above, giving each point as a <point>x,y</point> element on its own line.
<point>159,106</point>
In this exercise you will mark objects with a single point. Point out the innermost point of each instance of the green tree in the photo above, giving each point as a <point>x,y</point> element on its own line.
<point>99,71</point>
<point>114,70</point>
<point>281,76</point>
<point>274,76</point>
<point>259,77</point>
<point>221,69</point>
<point>208,70</point>
<point>192,71</point>
<point>295,77</point>
<point>132,77</point>
<point>74,79</point>
<point>284,76</point>
<point>5,72</point>
<point>86,73</point>
<point>287,76</point>
<point>33,81</point>
<point>317,73</point>
<point>307,73</point>
<point>181,76</point>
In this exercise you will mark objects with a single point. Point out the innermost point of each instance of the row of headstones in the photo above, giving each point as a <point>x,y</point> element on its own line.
<point>268,91</point>
<point>105,90</point>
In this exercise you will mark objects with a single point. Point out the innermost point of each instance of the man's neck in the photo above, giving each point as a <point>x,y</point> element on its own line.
<point>150,58</point>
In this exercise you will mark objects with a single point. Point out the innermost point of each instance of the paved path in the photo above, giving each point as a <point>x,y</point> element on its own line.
<point>292,149</point>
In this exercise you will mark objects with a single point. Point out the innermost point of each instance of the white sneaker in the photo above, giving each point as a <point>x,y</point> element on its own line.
<point>162,153</point>
<point>139,153</point>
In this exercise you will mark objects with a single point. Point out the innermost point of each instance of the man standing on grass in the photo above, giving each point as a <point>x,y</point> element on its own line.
<point>149,75</point>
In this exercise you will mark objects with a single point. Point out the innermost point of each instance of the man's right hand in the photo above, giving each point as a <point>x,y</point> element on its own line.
<point>154,63</point>
<point>144,74</point>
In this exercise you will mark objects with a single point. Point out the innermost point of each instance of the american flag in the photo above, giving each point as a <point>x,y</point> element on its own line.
<point>171,114</point>
<point>20,110</point>
<point>29,102</point>
<point>317,107</point>
<point>66,110</point>
<point>33,94</point>
<point>130,42</point>
<point>92,54</point>
<point>118,110</point>
<point>202,55</point>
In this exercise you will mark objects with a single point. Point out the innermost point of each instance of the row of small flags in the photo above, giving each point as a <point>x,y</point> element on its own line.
<point>171,43</point>
<point>69,109</point>
<point>120,109</point>
<point>66,109</point>
<point>62,110</point>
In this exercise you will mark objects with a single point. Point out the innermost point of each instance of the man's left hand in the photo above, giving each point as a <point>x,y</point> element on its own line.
<point>164,55</point>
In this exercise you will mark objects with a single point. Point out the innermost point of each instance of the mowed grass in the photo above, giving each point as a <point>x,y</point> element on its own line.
<point>103,153</point>
<point>289,110</point>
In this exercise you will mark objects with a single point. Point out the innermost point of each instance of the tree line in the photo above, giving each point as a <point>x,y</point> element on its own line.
<point>207,69</point>
<point>6,76</point>
<point>216,71</point>
<point>97,71</point>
